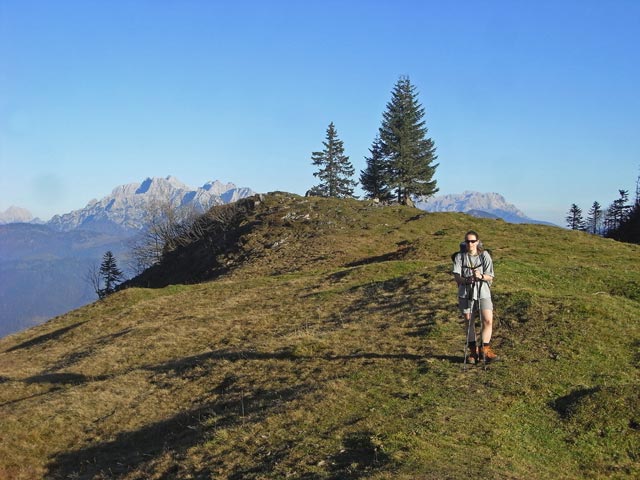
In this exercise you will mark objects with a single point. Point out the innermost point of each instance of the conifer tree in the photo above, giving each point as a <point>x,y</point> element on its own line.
<point>374,179</point>
<point>594,218</point>
<point>617,212</point>
<point>335,171</point>
<point>627,228</point>
<point>110,275</point>
<point>409,152</point>
<point>574,218</point>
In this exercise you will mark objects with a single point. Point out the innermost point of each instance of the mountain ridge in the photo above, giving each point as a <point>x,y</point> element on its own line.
<point>489,205</point>
<point>127,205</point>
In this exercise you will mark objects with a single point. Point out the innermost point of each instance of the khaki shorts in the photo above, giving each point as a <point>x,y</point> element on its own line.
<point>466,305</point>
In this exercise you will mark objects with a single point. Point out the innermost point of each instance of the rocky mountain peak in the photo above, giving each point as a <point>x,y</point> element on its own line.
<point>128,204</point>
<point>479,204</point>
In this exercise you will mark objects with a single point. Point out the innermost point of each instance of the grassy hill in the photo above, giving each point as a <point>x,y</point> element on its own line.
<point>327,345</point>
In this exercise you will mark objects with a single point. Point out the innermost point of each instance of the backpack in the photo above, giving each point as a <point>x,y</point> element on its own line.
<point>463,250</point>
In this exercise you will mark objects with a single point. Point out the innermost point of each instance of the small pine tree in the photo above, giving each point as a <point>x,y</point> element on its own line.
<point>110,275</point>
<point>374,179</point>
<point>594,219</point>
<point>409,152</point>
<point>574,218</point>
<point>335,171</point>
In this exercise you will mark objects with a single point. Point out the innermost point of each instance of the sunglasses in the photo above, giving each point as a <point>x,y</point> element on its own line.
<point>470,241</point>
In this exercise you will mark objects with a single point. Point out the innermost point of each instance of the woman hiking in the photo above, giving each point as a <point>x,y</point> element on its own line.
<point>473,271</point>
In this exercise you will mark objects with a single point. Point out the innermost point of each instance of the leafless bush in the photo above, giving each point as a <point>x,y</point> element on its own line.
<point>170,226</point>
<point>166,227</point>
<point>92,277</point>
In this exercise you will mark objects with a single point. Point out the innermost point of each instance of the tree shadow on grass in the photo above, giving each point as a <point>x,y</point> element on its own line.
<point>180,367</point>
<point>264,465</point>
<point>35,395</point>
<point>87,350</point>
<point>359,457</point>
<point>57,379</point>
<point>566,405</point>
<point>409,297</point>
<point>134,450</point>
<point>409,300</point>
<point>449,358</point>
<point>45,338</point>
<point>404,248</point>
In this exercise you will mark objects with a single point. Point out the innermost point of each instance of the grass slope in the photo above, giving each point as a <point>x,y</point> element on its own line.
<point>331,349</point>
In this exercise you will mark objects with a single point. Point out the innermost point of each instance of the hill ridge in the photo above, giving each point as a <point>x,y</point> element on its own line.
<point>327,346</point>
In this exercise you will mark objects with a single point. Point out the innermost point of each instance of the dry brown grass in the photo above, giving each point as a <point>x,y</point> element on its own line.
<point>330,349</point>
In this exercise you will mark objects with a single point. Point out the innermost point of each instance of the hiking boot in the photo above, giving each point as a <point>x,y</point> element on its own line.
<point>472,354</point>
<point>488,354</point>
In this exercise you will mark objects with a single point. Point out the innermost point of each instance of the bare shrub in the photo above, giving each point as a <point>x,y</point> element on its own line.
<point>166,225</point>
<point>169,226</point>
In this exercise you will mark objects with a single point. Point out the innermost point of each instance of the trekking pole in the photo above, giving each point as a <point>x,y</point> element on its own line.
<point>464,362</point>
<point>466,337</point>
<point>484,358</point>
<point>470,325</point>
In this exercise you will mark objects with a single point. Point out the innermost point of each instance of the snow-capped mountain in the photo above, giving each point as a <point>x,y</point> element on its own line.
<point>490,205</point>
<point>128,204</point>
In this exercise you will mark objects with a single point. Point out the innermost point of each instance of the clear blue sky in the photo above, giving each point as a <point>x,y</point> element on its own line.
<point>537,101</point>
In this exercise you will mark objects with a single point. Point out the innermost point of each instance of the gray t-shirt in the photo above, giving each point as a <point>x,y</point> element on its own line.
<point>464,264</point>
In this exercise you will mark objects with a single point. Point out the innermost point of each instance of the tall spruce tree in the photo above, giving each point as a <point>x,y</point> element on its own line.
<point>110,274</point>
<point>574,218</point>
<point>336,171</point>
<point>409,152</point>
<point>374,179</point>
<point>594,219</point>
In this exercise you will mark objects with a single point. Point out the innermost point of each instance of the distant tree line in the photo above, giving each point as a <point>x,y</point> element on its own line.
<point>401,162</point>
<point>620,220</point>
